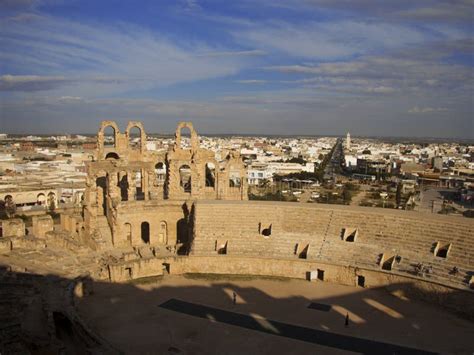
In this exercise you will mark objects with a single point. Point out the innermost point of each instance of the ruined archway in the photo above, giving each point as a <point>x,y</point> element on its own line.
<point>41,199</point>
<point>109,132</point>
<point>136,136</point>
<point>194,141</point>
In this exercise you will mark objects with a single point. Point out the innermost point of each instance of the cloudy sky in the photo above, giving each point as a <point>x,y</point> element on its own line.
<point>392,67</point>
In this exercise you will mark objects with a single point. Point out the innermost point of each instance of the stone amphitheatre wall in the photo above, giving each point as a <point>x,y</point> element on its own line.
<point>393,241</point>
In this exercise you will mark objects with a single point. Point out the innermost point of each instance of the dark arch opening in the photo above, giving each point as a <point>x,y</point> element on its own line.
<point>112,155</point>
<point>135,137</point>
<point>123,185</point>
<point>109,136</point>
<point>210,175</point>
<point>145,232</point>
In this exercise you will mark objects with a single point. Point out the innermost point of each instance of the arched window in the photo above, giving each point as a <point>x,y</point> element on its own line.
<point>185,178</point>
<point>185,134</point>
<point>145,232</point>
<point>210,175</point>
<point>234,179</point>
<point>109,137</point>
<point>160,171</point>
<point>112,155</point>
<point>40,199</point>
<point>135,138</point>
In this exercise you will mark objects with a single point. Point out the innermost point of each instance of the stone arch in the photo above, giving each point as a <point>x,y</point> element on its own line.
<point>132,125</point>
<point>112,155</point>
<point>145,232</point>
<point>194,136</point>
<point>128,232</point>
<point>40,199</point>
<point>185,179</point>
<point>235,178</point>
<point>101,134</point>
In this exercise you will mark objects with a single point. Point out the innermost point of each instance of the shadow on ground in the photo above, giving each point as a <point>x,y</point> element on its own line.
<point>196,314</point>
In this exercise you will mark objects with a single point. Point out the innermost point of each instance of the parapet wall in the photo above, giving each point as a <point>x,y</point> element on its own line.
<point>433,247</point>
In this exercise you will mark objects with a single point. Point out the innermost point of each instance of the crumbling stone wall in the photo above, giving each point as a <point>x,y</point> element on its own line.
<point>14,227</point>
<point>124,201</point>
<point>42,225</point>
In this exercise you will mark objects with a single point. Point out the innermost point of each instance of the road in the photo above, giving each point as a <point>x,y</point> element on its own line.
<point>334,163</point>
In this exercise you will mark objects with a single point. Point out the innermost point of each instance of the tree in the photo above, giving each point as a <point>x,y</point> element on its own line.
<point>10,206</point>
<point>346,196</point>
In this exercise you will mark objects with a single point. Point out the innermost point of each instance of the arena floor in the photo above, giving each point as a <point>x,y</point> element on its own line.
<point>195,314</point>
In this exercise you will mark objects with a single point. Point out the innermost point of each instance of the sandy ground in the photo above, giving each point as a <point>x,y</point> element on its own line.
<point>129,316</point>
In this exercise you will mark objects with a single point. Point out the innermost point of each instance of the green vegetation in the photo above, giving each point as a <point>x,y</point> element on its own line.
<point>272,196</point>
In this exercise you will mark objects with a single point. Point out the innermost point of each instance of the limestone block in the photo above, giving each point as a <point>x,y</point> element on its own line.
<point>42,225</point>
<point>13,228</point>
<point>5,245</point>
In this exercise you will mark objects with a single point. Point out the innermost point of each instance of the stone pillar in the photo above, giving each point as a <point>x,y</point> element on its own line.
<point>145,188</point>
<point>131,185</point>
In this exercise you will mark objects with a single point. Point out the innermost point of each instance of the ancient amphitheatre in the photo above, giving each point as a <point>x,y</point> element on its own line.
<point>164,243</point>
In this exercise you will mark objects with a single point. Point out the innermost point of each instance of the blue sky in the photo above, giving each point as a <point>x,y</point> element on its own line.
<point>393,68</point>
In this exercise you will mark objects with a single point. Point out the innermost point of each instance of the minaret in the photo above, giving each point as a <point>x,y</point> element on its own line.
<point>348,141</point>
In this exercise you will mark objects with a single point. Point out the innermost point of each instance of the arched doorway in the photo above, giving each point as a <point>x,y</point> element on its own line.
<point>41,199</point>
<point>134,138</point>
<point>145,232</point>
<point>109,137</point>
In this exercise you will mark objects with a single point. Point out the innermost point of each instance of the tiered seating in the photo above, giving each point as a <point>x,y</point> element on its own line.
<point>411,237</point>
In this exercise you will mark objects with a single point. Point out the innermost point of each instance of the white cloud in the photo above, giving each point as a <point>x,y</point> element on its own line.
<point>251,81</point>
<point>417,109</point>
<point>329,40</point>
<point>94,59</point>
